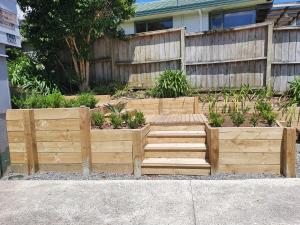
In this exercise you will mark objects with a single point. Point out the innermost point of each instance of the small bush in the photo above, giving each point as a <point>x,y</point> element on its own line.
<point>33,102</point>
<point>116,120</point>
<point>117,108</point>
<point>140,118</point>
<point>126,117</point>
<point>171,84</point>
<point>133,123</point>
<point>269,116</point>
<point>86,99</point>
<point>263,106</point>
<point>216,120</point>
<point>98,119</point>
<point>55,100</point>
<point>237,118</point>
<point>254,118</point>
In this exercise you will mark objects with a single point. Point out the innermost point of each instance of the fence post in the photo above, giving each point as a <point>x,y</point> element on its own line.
<point>32,163</point>
<point>267,81</point>
<point>137,146</point>
<point>182,50</point>
<point>212,142</point>
<point>112,53</point>
<point>288,153</point>
<point>196,105</point>
<point>85,140</point>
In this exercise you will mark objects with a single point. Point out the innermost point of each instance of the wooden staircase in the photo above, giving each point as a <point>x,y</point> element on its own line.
<point>176,149</point>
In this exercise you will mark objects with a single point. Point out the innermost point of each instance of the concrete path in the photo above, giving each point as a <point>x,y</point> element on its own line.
<point>150,202</point>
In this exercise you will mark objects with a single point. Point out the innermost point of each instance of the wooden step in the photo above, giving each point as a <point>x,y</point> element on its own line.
<point>177,127</point>
<point>176,146</point>
<point>175,166</point>
<point>175,150</point>
<point>176,134</point>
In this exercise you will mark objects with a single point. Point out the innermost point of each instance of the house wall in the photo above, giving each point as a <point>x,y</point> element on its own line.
<point>194,21</point>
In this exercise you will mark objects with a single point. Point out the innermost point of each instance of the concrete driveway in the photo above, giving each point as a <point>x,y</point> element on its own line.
<point>274,201</point>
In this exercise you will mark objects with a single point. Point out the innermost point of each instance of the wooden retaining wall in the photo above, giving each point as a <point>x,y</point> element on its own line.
<point>157,106</point>
<point>253,150</point>
<point>258,55</point>
<point>62,140</point>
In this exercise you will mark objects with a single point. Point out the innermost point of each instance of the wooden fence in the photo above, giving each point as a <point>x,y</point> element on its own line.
<point>257,55</point>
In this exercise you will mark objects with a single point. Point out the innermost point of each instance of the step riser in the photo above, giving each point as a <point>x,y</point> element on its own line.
<point>176,171</point>
<point>176,128</point>
<point>154,140</point>
<point>174,154</point>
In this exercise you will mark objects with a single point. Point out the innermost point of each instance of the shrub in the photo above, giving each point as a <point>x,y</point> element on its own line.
<point>116,120</point>
<point>171,84</point>
<point>140,118</point>
<point>237,118</point>
<point>55,100</point>
<point>216,120</point>
<point>294,90</point>
<point>254,118</point>
<point>126,116</point>
<point>98,119</point>
<point>263,106</point>
<point>269,116</point>
<point>33,102</point>
<point>86,99</point>
<point>133,123</point>
<point>118,108</point>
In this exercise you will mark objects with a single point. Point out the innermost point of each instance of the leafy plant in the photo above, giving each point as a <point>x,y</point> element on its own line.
<point>55,100</point>
<point>98,119</point>
<point>116,120</point>
<point>171,84</point>
<point>117,108</point>
<point>140,118</point>
<point>86,99</point>
<point>216,120</point>
<point>126,116</point>
<point>263,106</point>
<point>294,90</point>
<point>133,123</point>
<point>254,119</point>
<point>123,91</point>
<point>269,116</point>
<point>237,118</point>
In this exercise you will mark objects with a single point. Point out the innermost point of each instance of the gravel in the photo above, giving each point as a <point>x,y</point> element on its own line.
<point>105,176</point>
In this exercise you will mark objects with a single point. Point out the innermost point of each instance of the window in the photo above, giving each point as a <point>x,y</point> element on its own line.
<point>222,20</point>
<point>152,25</point>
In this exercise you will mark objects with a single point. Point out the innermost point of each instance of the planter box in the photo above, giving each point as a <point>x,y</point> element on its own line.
<point>252,150</point>
<point>62,140</point>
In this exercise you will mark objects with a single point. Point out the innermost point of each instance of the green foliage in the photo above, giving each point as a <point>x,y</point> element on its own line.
<point>116,120</point>
<point>86,99</point>
<point>140,118</point>
<point>28,75</point>
<point>126,116</point>
<point>294,90</point>
<point>121,92</point>
<point>98,119</point>
<point>75,24</point>
<point>171,84</point>
<point>118,108</point>
<point>133,123</point>
<point>254,119</point>
<point>216,119</point>
<point>237,118</point>
<point>263,106</point>
<point>269,116</point>
<point>34,101</point>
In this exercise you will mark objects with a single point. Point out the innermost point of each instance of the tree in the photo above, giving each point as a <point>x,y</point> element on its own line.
<point>77,23</point>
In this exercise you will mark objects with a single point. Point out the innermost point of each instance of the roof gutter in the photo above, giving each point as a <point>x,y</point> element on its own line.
<point>189,7</point>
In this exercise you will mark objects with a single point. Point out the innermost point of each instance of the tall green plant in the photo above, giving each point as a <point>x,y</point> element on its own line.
<point>171,84</point>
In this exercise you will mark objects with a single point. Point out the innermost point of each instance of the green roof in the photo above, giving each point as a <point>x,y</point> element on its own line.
<point>167,6</point>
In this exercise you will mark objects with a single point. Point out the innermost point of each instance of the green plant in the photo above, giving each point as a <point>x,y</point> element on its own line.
<point>117,108</point>
<point>294,90</point>
<point>133,123</point>
<point>123,91</point>
<point>86,99</point>
<point>55,100</point>
<point>291,114</point>
<point>269,116</point>
<point>140,118</point>
<point>171,84</point>
<point>116,120</point>
<point>126,116</point>
<point>237,118</point>
<point>98,119</point>
<point>216,120</point>
<point>254,119</point>
<point>262,106</point>
<point>33,102</point>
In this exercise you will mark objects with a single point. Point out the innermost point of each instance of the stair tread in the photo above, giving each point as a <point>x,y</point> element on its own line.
<point>177,133</point>
<point>176,146</point>
<point>180,162</point>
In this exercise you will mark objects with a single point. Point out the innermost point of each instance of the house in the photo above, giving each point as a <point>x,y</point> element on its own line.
<point>196,15</point>
<point>9,36</point>
<point>285,14</point>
